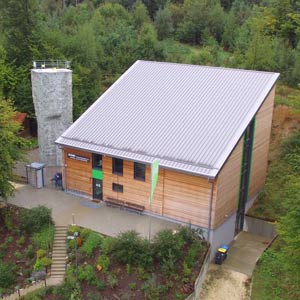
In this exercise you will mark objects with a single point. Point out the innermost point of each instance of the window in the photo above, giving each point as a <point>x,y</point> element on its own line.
<point>117,187</point>
<point>117,166</point>
<point>97,161</point>
<point>139,171</point>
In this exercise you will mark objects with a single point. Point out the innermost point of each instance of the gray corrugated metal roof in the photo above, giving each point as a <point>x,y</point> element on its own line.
<point>188,117</point>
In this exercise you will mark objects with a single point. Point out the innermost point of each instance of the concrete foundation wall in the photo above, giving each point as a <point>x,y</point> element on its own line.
<point>53,104</point>
<point>260,227</point>
<point>224,234</point>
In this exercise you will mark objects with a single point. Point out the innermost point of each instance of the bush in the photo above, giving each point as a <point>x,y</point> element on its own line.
<point>7,275</point>
<point>84,233</point>
<point>72,229</point>
<point>21,241</point>
<point>41,253</point>
<point>18,255</point>
<point>46,261</point>
<point>112,280</point>
<point>104,262</point>
<point>44,238</point>
<point>130,249</point>
<point>193,253</point>
<point>88,274</point>
<point>30,252</point>
<point>168,244</point>
<point>92,242</point>
<point>108,245</point>
<point>33,220</point>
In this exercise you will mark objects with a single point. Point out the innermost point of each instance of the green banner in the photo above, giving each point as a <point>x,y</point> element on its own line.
<point>154,178</point>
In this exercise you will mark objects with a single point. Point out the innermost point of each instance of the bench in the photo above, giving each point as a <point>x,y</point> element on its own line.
<point>135,207</point>
<point>114,202</point>
<point>122,204</point>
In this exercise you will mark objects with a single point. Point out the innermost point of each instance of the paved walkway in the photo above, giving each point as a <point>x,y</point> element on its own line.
<point>232,279</point>
<point>100,218</point>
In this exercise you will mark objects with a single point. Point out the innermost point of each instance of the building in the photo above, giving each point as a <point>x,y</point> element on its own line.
<point>208,127</point>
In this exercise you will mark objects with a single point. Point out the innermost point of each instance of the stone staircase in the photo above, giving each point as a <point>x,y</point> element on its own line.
<point>58,267</point>
<point>59,253</point>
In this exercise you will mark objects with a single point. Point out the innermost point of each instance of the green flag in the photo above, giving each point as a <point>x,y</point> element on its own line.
<point>154,178</point>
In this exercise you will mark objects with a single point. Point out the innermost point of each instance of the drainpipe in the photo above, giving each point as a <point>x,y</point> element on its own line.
<point>210,209</point>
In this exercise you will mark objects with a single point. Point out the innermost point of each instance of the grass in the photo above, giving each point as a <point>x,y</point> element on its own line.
<point>288,96</point>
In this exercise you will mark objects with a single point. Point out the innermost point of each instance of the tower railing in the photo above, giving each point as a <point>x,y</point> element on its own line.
<point>51,64</point>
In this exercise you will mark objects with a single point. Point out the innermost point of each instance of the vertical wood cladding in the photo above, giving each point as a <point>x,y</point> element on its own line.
<point>186,198</point>
<point>261,145</point>
<point>78,174</point>
<point>228,184</point>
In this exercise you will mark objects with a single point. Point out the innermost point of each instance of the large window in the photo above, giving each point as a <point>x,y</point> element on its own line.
<point>117,187</point>
<point>139,171</point>
<point>117,166</point>
<point>97,161</point>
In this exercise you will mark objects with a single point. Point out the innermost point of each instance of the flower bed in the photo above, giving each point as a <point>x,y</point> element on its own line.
<point>26,239</point>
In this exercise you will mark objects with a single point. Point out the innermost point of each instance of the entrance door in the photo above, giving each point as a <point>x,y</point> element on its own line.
<point>97,189</point>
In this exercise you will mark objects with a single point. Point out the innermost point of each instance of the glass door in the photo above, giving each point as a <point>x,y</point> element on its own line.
<point>97,189</point>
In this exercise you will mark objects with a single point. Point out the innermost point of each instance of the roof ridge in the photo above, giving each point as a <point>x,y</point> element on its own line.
<point>203,66</point>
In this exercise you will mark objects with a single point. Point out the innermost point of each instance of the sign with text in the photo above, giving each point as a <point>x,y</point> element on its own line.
<point>78,157</point>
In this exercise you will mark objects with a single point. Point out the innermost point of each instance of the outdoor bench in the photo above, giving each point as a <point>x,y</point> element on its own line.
<point>122,204</point>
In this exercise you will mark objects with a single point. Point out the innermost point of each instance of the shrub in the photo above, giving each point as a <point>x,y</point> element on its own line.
<point>7,275</point>
<point>101,285</point>
<point>41,253</point>
<point>108,245</point>
<point>112,280</point>
<point>33,220</point>
<point>8,240</point>
<point>168,244</point>
<point>104,262</point>
<point>18,255</point>
<point>73,228</point>
<point>88,274</point>
<point>72,244</point>
<point>84,233</point>
<point>132,286</point>
<point>130,249</point>
<point>8,220</point>
<point>21,241</point>
<point>92,242</point>
<point>44,238</point>
<point>193,253</point>
<point>38,265</point>
<point>46,261</point>
<point>30,252</point>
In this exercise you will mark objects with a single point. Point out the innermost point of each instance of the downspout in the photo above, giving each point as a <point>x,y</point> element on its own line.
<point>210,208</point>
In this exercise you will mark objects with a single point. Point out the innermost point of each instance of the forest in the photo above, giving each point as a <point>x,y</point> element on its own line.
<point>102,38</point>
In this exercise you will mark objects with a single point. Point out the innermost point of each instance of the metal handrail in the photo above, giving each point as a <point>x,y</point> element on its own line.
<point>51,64</point>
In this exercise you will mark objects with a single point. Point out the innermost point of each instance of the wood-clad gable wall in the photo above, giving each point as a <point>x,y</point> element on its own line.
<point>262,135</point>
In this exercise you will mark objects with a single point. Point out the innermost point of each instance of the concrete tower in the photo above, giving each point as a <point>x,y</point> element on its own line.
<point>53,104</point>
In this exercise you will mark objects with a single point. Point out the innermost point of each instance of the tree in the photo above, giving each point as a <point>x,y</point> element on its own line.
<point>164,23</point>
<point>140,14</point>
<point>10,147</point>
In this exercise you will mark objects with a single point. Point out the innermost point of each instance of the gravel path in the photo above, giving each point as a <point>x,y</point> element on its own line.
<point>222,283</point>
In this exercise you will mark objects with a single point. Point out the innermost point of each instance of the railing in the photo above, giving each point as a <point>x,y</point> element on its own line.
<point>51,64</point>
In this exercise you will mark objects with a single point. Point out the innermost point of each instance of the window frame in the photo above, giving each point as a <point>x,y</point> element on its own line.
<point>114,171</point>
<point>135,175</point>
<point>118,188</point>
<point>94,166</point>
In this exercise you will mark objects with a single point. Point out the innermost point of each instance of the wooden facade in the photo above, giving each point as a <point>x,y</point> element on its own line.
<point>263,124</point>
<point>180,196</point>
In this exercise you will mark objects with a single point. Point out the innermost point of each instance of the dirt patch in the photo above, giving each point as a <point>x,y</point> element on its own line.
<point>222,283</point>
<point>285,121</point>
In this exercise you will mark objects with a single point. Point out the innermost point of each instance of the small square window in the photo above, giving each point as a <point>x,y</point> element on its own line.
<point>139,171</point>
<point>117,166</point>
<point>117,187</point>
